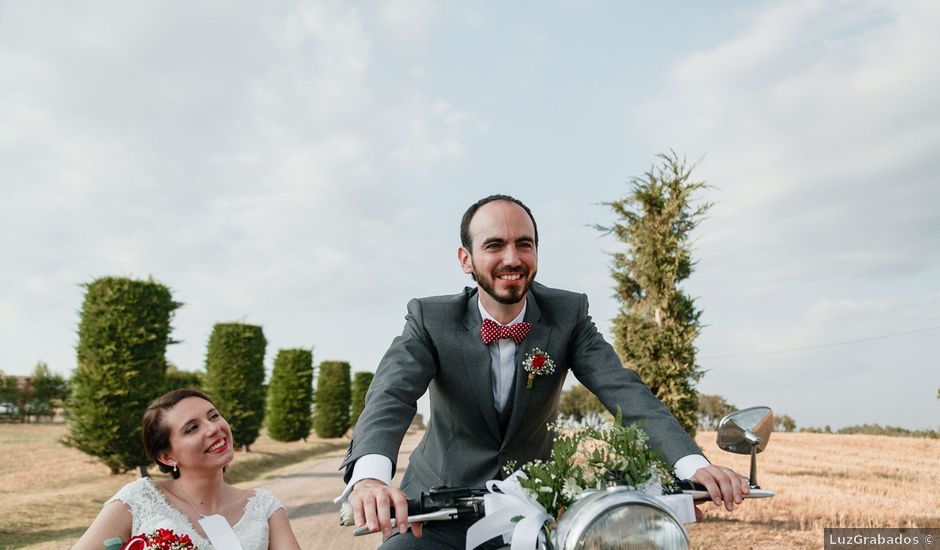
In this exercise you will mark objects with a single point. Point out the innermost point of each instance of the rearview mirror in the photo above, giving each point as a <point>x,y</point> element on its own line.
<point>747,432</point>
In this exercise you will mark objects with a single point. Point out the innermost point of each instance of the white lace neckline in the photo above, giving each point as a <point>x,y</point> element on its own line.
<point>184,520</point>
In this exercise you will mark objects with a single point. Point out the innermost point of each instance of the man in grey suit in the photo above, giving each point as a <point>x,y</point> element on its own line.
<point>469,350</point>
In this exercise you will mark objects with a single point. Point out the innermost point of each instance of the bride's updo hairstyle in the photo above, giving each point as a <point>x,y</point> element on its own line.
<point>155,434</point>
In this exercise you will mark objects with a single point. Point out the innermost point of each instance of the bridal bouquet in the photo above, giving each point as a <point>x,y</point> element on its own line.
<point>161,539</point>
<point>593,455</point>
<point>526,506</point>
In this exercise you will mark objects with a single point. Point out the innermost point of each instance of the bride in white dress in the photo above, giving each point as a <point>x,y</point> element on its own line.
<point>187,437</point>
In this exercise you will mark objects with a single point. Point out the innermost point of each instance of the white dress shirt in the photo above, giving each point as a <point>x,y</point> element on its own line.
<point>502,361</point>
<point>503,365</point>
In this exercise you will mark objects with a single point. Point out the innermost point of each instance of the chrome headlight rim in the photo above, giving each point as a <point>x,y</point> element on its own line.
<point>589,509</point>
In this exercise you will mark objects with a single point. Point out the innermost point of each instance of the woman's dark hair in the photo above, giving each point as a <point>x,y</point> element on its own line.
<point>465,240</point>
<point>156,434</point>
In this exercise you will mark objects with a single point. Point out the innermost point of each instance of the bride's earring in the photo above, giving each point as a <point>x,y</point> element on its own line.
<point>175,469</point>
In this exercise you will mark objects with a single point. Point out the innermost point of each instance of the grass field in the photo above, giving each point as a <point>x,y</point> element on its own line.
<point>49,493</point>
<point>825,480</point>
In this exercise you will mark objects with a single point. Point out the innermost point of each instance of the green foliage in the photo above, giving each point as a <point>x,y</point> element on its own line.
<point>656,327</point>
<point>877,429</point>
<point>122,339</point>
<point>235,378</point>
<point>590,457</point>
<point>290,395</point>
<point>176,379</point>
<point>711,409</point>
<point>784,423</point>
<point>333,399</point>
<point>9,389</point>
<point>47,390</point>
<point>578,402</point>
<point>360,387</point>
<point>9,398</point>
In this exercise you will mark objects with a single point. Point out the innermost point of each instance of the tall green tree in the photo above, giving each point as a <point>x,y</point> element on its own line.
<point>235,378</point>
<point>360,387</point>
<point>122,338</point>
<point>49,390</point>
<point>784,423</point>
<point>656,327</point>
<point>290,395</point>
<point>176,379</point>
<point>711,409</point>
<point>333,399</point>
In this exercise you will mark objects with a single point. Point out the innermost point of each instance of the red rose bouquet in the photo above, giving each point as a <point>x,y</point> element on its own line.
<point>161,539</point>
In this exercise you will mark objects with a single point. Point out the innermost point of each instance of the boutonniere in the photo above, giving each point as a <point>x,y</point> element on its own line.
<point>537,363</point>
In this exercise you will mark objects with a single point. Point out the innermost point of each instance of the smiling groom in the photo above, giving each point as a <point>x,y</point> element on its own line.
<point>490,402</point>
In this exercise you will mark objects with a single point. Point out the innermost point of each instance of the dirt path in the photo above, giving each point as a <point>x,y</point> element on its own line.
<point>308,490</point>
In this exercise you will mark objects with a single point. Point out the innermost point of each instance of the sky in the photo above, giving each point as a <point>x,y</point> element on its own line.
<point>304,167</point>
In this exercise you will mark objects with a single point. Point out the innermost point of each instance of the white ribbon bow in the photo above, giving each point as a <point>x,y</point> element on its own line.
<point>507,500</point>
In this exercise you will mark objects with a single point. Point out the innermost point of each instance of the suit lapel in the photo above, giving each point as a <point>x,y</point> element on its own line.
<point>476,356</point>
<point>538,338</point>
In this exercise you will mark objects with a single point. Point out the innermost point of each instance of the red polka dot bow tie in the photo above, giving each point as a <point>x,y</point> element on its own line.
<point>492,331</point>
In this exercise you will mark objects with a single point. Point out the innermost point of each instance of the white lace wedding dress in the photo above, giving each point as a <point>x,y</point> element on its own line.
<point>151,511</point>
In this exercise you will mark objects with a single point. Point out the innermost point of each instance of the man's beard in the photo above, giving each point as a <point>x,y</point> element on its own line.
<point>510,296</point>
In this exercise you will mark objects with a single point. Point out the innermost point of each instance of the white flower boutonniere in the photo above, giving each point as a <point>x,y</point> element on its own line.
<point>537,363</point>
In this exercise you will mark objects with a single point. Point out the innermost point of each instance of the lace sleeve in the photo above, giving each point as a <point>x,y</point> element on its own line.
<point>268,502</point>
<point>124,495</point>
<point>137,498</point>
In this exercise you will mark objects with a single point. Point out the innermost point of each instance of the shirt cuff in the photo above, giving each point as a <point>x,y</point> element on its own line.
<point>687,466</point>
<point>368,467</point>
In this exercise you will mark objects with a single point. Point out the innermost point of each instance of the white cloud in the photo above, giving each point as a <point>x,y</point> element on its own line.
<point>819,126</point>
<point>435,135</point>
<point>408,20</point>
<point>819,129</point>
<point>239,155</point>
<point>282,167</point>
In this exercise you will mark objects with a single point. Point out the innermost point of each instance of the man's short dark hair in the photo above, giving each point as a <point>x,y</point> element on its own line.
<point>465,240</point>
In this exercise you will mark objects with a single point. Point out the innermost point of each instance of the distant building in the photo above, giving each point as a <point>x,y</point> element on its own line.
<point>23,383</point>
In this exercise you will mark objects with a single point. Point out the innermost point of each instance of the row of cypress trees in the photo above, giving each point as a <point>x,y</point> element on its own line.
<point>123,334</point>
<point>339,404</point>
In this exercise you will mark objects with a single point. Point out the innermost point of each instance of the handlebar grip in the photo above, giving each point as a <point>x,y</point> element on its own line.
<point>689,485</point>
<point>414,508</point>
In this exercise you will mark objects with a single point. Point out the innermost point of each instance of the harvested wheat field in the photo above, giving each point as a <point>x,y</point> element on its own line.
<point>49,493</point>
<point>825,480</point>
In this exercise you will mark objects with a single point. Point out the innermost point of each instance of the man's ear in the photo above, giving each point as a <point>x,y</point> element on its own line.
<point>466,261</point>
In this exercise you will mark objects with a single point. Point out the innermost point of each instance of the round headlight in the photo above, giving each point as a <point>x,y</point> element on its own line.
<point>619,519</point>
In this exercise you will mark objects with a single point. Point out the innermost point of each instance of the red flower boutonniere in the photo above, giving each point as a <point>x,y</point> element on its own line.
<point>537,363</point>
<point>161,539</point>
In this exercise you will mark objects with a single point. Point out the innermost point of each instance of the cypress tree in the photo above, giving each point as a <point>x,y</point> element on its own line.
<point>290,395</point>
<point>656,327</point>
<point>176,379</point>
<point>235,378</point>
<point>360,387</point>
<point>333,397</point>
<point>122,339</point>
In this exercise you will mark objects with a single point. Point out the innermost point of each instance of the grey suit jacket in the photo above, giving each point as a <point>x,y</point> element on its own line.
<point>441,348</point>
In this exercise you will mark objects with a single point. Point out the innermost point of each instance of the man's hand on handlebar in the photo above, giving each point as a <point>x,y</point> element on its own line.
<point>722,484</point>
<point>371,501</point>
